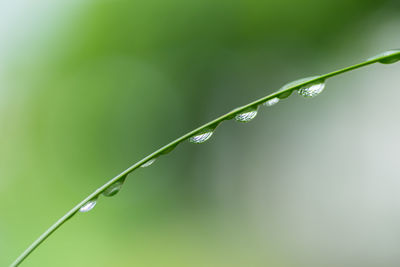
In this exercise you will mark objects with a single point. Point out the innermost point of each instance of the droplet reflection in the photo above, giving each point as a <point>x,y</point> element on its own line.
<point>148,163</point>
<point>113,189</point>
<point>271,102</point>
<point>202,137</point>
<point>312,90</point>
<point>89,205</point>
<point>246,116</point>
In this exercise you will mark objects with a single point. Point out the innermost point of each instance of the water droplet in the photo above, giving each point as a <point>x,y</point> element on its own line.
<point>202,136</point>
<point>285,94</point>
<point>271,102</point>
<point>390,56</point>
<point>113,189</point>
<point>298,82</point>
<point>89,205</point>
<point>247,115</point>
<point>232,114</point>
<point>168,150</point>
<point>293,85</point>
<point>312,89</point>
<point>148,163</point>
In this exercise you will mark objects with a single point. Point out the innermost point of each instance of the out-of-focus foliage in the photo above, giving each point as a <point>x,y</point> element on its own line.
<point>89,87</point>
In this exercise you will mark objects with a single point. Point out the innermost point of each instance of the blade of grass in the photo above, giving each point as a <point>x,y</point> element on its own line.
<point>384,58</point>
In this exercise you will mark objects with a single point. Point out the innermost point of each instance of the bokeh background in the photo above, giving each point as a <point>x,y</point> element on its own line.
<point>87,88</point>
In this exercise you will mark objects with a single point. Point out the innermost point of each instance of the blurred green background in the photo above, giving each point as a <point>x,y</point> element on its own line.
<point>87,88</point>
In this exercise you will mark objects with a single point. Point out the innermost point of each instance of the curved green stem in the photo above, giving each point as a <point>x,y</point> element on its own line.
<point>384,58</point>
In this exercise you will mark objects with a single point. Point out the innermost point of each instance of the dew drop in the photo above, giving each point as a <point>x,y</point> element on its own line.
<point>201,137</point>
<point>297,82</point>
<point>293,84</point>
<point>285,94</point>
<point>148,163</point>
<point>232,115</point>
<point>89,205</point>
<point>312,90</point>
<point>247,115</point>
<point>168,150</point>
<point>271,102</point>
<point>113,189</point>
<point>389,57</point>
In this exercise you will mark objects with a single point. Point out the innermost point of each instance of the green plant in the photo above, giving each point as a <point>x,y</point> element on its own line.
<point>307,87</point>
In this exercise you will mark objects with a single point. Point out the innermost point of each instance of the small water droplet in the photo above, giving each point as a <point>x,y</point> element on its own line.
<point>297,82</point>
<point>313,89</point>
<point>113,189</point>
<point>148,163</point>
<point>232,115</point>
<point>89,205</point>
<point>202,136</point>
<point>247,115</point>
<point>390,56</point>
<point>271,102</point>
<point>285,94</point>
<point>168,150</point>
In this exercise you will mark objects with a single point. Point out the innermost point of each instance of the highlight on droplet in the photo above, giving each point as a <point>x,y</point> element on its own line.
<point>148,163</point>
<point>202,136</point>
<point>271,102</point>
<point>247,115</point>
<point>89,205</point>
<point>293,84</point>
<point>312,89</point>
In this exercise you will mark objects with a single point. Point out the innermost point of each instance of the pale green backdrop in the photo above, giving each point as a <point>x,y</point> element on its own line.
<point>87,88</point>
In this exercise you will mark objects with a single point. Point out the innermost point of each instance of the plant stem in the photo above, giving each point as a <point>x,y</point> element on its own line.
<point>172,144</point>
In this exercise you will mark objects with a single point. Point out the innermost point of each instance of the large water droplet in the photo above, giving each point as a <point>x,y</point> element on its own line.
<point>293,85</point>
<point>312,89</point>
<point>202,136</point>
<point>247,115</point>
<point>390,56</point>
<point>148,163</point>
<point>89,205</point>
<point>271,102</point>
<point>113,189</point>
